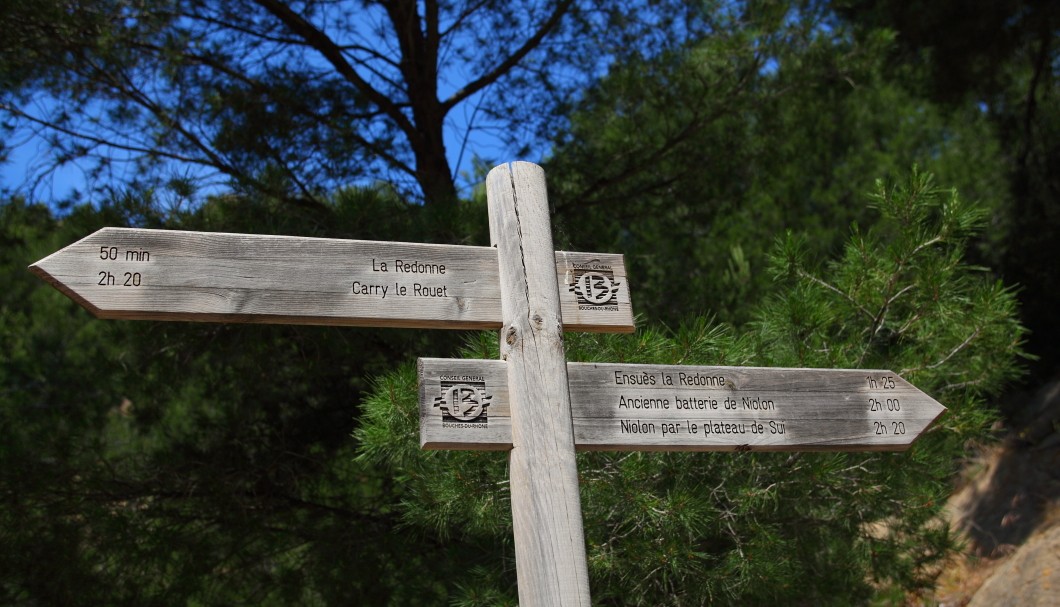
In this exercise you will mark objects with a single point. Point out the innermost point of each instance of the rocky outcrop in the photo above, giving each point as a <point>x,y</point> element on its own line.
<point>1029,578</point>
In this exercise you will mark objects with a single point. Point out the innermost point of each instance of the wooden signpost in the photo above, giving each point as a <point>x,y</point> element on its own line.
<point>532,403</point>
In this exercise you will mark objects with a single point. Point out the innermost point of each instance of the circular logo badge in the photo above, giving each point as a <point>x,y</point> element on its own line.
<point>464,402</point>
<point>596,288</point>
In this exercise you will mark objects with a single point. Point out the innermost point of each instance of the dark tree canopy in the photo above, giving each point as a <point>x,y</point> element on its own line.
<point>1005,56</point>
<point>969,45</point>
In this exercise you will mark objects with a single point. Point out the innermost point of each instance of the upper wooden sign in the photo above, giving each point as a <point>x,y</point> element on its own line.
<point>130,273</point>
<point>464,405</point>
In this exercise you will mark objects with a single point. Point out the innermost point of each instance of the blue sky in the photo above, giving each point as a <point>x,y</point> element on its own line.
<point>26,170</point>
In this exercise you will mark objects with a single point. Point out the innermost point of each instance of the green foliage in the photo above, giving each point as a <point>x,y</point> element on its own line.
<point>160,463</point>
<point>692,162</point>
<point>997,63</point>
<point>757,528</point>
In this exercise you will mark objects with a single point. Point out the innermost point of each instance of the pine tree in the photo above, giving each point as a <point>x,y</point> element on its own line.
<point>755,528</point>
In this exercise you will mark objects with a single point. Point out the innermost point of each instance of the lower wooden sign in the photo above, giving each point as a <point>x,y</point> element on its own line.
<point>627,407</point>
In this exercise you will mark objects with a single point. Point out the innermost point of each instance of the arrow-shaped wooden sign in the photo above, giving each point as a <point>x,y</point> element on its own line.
<point>464,405</point>
<point>130,273</point>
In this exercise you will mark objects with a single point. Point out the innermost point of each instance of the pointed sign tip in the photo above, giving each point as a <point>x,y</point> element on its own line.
<point>38,269</point>
<point>40,272</point>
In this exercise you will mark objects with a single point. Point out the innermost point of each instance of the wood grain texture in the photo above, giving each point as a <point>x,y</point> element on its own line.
<point>550,557</point>
<point>130,273</point>
<point>656,407</point>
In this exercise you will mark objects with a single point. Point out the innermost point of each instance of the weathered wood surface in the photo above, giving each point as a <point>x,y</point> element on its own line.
<point>550,557</point>
<point>684,408</point>
<point>130,273</point>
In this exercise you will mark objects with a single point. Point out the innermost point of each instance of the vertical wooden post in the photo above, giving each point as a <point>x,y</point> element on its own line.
<point>546,508</point>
